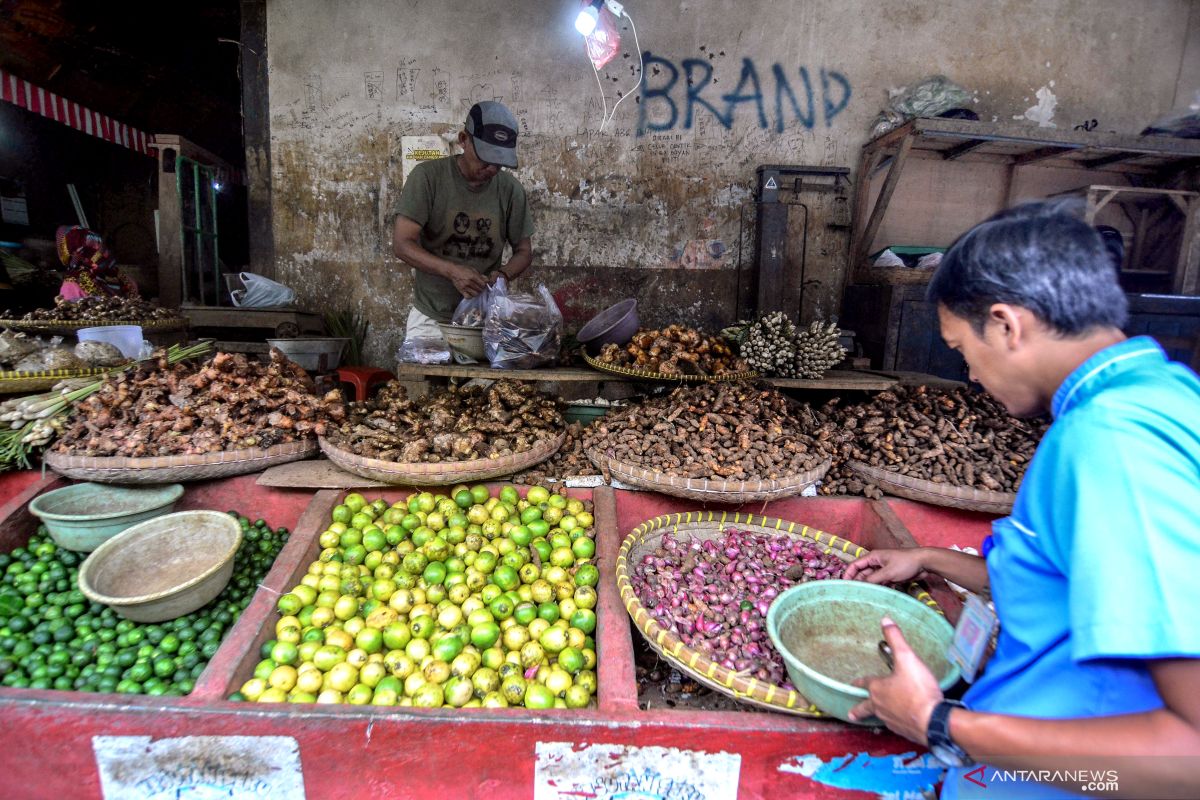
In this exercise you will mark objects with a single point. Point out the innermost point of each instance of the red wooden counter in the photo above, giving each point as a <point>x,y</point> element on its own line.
<point>66,744</point>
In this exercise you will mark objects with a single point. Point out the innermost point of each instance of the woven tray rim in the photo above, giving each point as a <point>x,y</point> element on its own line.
<point>936,493</point>
<point>724,377</point>
<point>708,488</point>
<point>174,323</point>
<point>119,469</point>
<point>422,473</point>
<point>684,658</point>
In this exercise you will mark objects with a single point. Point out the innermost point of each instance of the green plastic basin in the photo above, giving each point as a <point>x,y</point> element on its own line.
<point>828,633</point>
<point>83,516</point>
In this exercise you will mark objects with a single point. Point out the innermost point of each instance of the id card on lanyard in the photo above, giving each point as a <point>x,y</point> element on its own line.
<point>976,626</point>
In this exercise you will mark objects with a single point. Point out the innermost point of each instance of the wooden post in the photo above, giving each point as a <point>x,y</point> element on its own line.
<point>882,202</point>
<point>170,242</point>
<point>256,129</point>
<point>1187,270</point>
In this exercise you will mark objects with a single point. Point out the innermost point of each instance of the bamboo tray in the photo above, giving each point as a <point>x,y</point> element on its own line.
<point>709,525</point>
<point>938,494</point>
<point>72,325</point>
<point>644,375</point>
<point>171,469</point>
<point>705,489</point>
<point>442,473</point>
<point>15,382</point>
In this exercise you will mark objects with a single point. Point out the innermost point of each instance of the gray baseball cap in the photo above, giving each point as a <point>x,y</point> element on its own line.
<point>494,131</point>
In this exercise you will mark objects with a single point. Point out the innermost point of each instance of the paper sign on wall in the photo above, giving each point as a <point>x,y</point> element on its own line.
<point>568,771</point>
<point>199,767</point>
<point>415,149</point>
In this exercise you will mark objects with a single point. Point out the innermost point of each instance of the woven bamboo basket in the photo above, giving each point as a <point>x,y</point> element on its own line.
<point>172,469</point>
<point>644,375</point>
<point>442,473</point>
<point>15,382</point>
<point>72,325</point>
<point>704,489</point>
<point>710,525</point>
<point>938,494</point>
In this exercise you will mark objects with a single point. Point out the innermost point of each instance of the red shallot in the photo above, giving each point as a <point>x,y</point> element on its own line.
<point>714,593</point>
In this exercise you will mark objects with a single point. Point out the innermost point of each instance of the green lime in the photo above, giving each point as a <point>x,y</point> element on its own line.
<point>587,575</point>
<point>434,573</point>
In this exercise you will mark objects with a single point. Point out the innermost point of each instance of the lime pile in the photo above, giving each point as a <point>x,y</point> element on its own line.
<point>463,600</point>
<point>52,637</point>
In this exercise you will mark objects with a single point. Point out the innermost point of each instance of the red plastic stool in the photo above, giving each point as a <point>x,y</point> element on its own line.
<point>362,379</point>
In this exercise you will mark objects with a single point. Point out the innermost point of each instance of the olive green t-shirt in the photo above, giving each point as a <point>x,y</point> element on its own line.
<point>461,224</point>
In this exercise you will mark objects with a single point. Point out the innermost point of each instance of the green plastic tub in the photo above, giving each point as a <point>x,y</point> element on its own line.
<point>83,516</point>
<point>828,633</point>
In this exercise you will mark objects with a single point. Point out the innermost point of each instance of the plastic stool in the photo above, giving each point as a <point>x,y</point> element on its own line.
<point>362,379</point>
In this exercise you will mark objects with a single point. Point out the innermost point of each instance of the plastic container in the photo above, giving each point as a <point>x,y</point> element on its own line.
<point>83,516</point>
<point>313,353</point>
<point>163,568</point>
<point>465,342</point>
<point>126,338</point>
<point>828,633</point>
<point>614,325</point>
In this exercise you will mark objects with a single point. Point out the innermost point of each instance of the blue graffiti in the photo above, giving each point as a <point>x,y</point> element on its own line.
<point>659,108</point>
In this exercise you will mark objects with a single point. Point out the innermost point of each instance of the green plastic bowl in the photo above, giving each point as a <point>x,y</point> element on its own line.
<point>828,633</point>
<point>83,516</point>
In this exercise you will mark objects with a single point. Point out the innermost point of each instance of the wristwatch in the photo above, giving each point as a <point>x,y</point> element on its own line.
<point>937,735</point>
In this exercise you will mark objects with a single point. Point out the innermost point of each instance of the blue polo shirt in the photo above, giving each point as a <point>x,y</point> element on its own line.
<point>1098,568</point>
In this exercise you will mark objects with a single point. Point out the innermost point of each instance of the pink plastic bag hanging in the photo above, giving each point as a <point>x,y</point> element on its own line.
<point>604,43</point>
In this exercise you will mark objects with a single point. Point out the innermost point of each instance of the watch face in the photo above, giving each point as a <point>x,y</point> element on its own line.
<point>951,757</point>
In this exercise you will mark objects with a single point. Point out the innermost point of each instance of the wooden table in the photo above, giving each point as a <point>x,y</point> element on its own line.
<point>835,380</point>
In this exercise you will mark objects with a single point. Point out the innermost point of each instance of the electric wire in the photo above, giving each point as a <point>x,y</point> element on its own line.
<point>605,116</point>
<point>641,72</point>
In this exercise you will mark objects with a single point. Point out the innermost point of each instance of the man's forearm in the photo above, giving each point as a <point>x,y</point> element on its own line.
<point>418,257</point>
<point>968,571</point>
<point>521,259</point>
<point>1155,754</point>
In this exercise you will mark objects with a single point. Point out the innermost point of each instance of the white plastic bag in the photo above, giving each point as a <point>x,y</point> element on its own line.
<point>522,331</point>
<point>424,350</point>
<point>472,311</point>
<point>261,292</point>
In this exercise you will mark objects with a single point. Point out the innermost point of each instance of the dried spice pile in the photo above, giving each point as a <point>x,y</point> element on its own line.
<point>570,461</point>
<point>226,403</point>
<point>101,309</point>
<point>950,436</point>
<point>452,425</point>
<point>727,431</point>
<point>674,350</point>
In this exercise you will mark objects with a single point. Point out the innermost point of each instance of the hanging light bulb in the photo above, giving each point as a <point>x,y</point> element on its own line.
<point>588,17</point>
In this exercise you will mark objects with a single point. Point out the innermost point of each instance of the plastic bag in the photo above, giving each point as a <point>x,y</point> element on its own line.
<point>423,350</point>
<point>1182,123</point>
<point>472,311</point>
<point>604,42</point>
<point>926,98</point>
<point>261,292</point>
<point>522,331</point>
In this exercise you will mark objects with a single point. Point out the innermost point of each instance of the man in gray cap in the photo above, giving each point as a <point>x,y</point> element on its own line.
<point>455,215</point>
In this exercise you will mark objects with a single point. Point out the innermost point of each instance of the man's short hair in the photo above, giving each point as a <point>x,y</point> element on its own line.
<point>1040,256</point>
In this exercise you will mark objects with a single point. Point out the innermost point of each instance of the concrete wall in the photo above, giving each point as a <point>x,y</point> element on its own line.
<point>660,203</point>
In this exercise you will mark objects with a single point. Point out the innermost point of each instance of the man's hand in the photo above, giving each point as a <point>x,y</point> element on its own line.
<point>467,281</point>
<point>887,566</point>
<point>905,699</point>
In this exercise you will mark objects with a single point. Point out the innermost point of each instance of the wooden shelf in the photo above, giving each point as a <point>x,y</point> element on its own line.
<point>834,380</point>
<point>1153,158</point>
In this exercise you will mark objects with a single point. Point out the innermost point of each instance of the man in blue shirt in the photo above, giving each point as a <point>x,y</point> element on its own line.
<point>1096,574</point>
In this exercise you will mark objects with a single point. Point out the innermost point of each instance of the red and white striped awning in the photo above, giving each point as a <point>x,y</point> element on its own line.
<point>22,93</point>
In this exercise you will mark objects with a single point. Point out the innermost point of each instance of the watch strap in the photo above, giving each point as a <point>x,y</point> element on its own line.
<point>937,735</point>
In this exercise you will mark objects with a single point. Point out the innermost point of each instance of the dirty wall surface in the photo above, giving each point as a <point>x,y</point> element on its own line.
<point>659,204</point>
